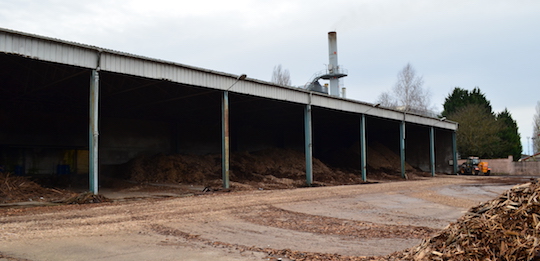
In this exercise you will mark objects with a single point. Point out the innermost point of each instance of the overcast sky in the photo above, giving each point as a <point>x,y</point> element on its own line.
<point>490,44</point>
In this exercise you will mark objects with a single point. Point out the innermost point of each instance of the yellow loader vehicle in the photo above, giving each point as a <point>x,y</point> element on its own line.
<point>474,166</point>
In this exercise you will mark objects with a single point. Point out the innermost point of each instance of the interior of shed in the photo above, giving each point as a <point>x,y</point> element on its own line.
<point>44,121</point>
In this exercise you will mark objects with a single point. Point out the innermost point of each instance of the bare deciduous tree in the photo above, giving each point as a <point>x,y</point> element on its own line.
<point>536,129</point>
<point>386,100</point>
<point>280,76</point>
<point>408,92</point>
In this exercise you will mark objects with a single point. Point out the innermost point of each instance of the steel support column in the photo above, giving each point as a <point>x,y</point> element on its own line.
<point>308,145</point>
<point>432,150</point>
<point>225,139</point>
<point>402,147</point>
<point>93,132</point>
<point>454,152</point>
<point>363,147</point>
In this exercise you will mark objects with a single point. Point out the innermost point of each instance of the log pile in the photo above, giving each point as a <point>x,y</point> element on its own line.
<point>506,228</point>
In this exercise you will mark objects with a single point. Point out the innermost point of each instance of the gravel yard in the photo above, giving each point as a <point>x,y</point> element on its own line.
<point>352,222</point>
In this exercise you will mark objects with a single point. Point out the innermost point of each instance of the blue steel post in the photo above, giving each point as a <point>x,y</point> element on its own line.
<point>454,152</point>
<point>402,147</point>
<point>432,150</point>
<point>363,146</point>
<point>93,135</point>
<point>225,139</point>
<point>308,145</point>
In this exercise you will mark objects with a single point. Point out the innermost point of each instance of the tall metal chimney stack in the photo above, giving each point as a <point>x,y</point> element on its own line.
<point>332,73</point>
<point>333,67</point>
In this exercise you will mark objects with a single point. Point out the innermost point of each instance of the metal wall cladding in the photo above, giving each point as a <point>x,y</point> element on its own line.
<point>198,77</point>
<point>271,91</point>
<point>331,102</point>
<point>58,51</point>
<point>46,49</point>
<point>162,70</point>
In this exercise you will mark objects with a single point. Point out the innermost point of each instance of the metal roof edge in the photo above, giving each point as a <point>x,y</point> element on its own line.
<point>111,51</point>
<point>257,81</point>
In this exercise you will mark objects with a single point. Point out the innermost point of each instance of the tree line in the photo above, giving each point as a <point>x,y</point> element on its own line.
<point>481,131</point>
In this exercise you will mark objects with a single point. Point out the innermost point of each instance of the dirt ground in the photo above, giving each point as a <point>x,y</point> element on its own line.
<point>352,222</point>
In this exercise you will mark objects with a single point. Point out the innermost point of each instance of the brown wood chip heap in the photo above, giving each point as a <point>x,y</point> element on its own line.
<point>506,228</point>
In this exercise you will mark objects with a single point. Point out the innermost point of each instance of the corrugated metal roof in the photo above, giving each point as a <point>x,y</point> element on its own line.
<point>70,53</point>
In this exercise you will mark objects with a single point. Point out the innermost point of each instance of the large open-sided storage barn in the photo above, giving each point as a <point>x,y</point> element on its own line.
<point>74,110</point>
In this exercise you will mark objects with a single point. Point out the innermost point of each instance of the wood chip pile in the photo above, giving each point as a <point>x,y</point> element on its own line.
<point>21,189</point>
<point>86,198</point>
<point>269,169</point>
<point>173,168</point>
<point>506,228</point>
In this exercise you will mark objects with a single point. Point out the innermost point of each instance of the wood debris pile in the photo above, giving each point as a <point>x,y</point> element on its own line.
<point>86,198</point>
<point>506,228</point>
<point>20,189</point>
<point>173,168</point>
<point>267,169</point>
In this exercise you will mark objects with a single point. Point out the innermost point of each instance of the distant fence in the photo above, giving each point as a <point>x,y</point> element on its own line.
<point>510,167</point>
